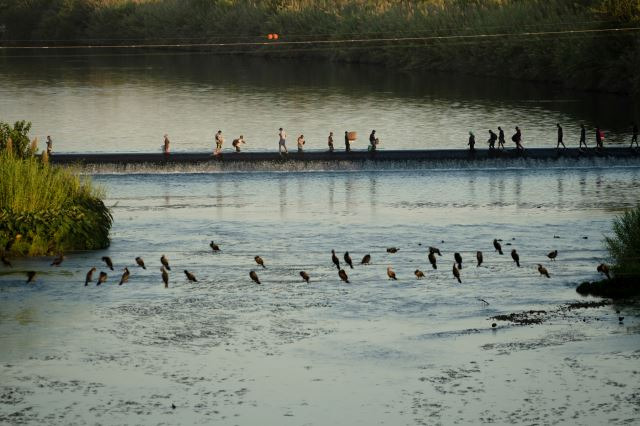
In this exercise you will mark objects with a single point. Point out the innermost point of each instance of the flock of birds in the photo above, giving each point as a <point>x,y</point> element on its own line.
<point>366,260</point>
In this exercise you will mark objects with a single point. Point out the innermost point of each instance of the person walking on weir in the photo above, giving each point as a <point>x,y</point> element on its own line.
<point>472,143</point>
<point>49,145</point>
<point>219,141</point>
<point>165,147</point>
<point>500,137</point>
<point>282,143</point>
<point>492,140</point>
<point>373,141</point>
<point>517,138</point>
<point>583,136</point>
<point>347,144</point>
<point>330,141</point>
<point>301,142</point>
<point>237,142</point>
<point>560,138</point>
<point>634,136</point>
<point>599,138</point>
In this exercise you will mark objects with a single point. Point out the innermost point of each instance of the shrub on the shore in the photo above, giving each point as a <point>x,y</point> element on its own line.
<point>46,209</point>
<point>624,246</point>
<point>16,138</point>
<point>624,249</point>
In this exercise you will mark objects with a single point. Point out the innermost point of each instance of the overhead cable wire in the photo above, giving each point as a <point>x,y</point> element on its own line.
<point>324,41</point>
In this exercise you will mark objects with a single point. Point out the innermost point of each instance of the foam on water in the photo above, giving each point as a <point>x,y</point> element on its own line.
<point>361,166</point>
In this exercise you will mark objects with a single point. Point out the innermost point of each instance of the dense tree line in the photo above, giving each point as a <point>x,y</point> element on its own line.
<point>603,60</point>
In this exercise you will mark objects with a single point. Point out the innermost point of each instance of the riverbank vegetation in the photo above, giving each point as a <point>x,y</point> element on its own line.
<point>624,249</point>
<point>45,209</point>
<point>561,41</point>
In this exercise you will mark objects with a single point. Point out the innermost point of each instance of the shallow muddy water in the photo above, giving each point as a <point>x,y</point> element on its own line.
<point>227,351</point>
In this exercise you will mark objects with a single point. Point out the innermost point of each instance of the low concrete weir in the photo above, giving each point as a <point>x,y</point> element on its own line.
<point>381,156</point>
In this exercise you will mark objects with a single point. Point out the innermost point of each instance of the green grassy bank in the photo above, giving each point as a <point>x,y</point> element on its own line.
<point>447,35</point>
<point>46,209</point>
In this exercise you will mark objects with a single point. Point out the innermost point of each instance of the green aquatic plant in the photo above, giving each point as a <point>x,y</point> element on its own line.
<point>46,209</point>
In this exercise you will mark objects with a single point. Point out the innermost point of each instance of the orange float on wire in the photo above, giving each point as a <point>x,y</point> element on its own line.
<point>270,36</point>
<point>275,36</point>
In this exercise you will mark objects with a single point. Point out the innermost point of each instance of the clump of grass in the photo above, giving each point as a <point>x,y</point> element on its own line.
<point>46,209</point>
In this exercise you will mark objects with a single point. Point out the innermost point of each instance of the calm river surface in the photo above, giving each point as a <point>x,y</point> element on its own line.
<point>127,103</point>
<point>227,351</point>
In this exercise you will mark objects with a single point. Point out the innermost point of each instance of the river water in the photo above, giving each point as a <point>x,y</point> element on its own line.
<point>127,103</point>
<point>375,351</point>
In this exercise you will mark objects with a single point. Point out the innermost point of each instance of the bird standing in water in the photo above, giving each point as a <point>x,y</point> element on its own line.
<point>604,269</point>
<point>347,259</point>
<point>479,257</point>
<point>552,255</point>
<point>140,262</point>
<point>497,246</point>
<point>89,277</point>
<point>214,246</point>
<point>335,259</point>
<point>543,271</point>
<point>165,276</point>
<point>107,260</point>
<point>125,276</point>
<point>516,257</point>
<point>58,260</point>
<point>304,276</point>
<point>190,276</point>
<point>102,278</point>
<point>458,259</point>
<point>456,273</point>
<point>392,250</point>
<point>165,262</point>
<point>391,274</point>
<point>432,260</point>
<point>259,261</point>
<point>343,276</point>
<point>254,277</point>
<point>31,275</point>
<point>435,250</point>
<point>366,259</point>
<point>419,274</point>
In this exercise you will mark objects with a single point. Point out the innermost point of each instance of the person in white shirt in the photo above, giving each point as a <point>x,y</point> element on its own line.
<point>282,143</point>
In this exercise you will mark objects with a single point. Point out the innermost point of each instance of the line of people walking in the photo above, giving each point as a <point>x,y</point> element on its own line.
<point>517,138</point>
<point>374,141</point>
<point>349,137</point>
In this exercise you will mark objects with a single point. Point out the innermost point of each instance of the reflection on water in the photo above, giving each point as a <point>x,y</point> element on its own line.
<point>224,348</point>
<point>108,104</point>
